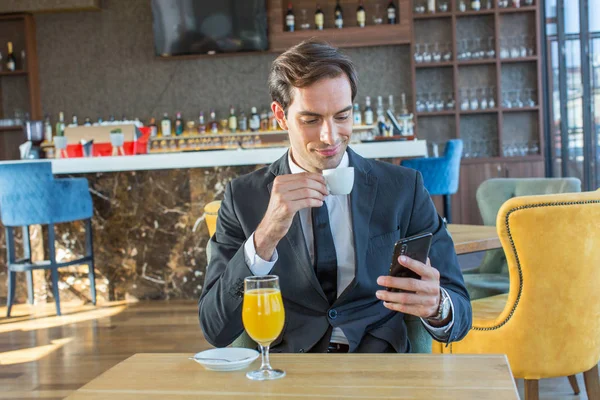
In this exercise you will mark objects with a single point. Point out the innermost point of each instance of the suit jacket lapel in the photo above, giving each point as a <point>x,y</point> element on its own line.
<point>294,239</point>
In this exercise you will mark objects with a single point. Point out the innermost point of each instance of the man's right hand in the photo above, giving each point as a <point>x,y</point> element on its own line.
<point>289,194</point>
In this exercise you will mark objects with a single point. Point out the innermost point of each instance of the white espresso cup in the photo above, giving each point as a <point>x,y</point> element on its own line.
<point>339,180</point>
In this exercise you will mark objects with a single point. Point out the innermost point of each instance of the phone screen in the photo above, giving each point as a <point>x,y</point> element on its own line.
<point>415,247</point>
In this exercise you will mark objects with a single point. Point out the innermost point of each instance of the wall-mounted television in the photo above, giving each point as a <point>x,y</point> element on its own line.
<point>209,26</point>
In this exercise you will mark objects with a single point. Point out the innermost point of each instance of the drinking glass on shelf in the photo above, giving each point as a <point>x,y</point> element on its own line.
<point>523,46</point>
<point>467,50</point>
<point>530,45</point>
<point>476,52</point>
<point>467,149</point>
<point>426,53</point>
<point>491,98</point>
<point>439,103</point>
<point>530,99</point>
<point>447,56</point>
<point>443,6</point>
<point>506,100</point>
<point>304,24</point>
<point>504,47</point>
<point>263,317</point>
<point>534,147</point>
<point>517,103</point>
<point>464,100</point>
<point>491,49</point>
<point>429,104</point>
<point>450,103</point>
<point>436,55</point>
<point>515,48</point>
<point>474,102</point>
<point>483,103</point>
<point>420,104</point>
<point>377,18</point>
<point>418,55</point>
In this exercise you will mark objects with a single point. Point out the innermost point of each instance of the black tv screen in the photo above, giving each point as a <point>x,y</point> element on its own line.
<point>209,26</point>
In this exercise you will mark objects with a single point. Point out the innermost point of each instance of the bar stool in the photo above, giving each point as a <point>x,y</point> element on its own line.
<point>29,195</point>
<point>441,174</point>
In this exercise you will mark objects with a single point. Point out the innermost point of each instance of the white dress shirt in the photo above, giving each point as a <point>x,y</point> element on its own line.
<point>340,221</point>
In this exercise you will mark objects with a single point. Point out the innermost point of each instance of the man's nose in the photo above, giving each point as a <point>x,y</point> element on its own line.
<point>329,134</point>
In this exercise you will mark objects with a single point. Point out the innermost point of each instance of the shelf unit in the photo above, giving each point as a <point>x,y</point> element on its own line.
<point>494,66</point>
<point>19,29</point>
<point>494,127</point>
<point>349,36</point>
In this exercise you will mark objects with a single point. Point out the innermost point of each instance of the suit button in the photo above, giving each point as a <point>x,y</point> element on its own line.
<point>301,351</point>
<point>332,314</point>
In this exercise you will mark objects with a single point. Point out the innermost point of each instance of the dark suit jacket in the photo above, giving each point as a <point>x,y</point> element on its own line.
<point>388,202</point>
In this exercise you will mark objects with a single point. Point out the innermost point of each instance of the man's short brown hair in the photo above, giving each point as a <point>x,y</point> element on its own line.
<point>304,64</point>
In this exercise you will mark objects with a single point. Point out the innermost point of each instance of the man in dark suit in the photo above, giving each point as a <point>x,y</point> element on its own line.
<point>331,252</point>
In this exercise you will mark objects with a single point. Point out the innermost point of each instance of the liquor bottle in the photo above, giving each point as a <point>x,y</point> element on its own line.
<point>379,110</point>
<point>201,123</point>
<point>290,19</point>
<point>87,121</point>
<point>74,121</point>
<point>243,122</point>
<point>264,121</point>
<point>475,5</point>
<point>273,124</point>
<point>165,125</point>
<point>357,116</point>
<point>391,104</point>
<point>60,125</point>
<point>233,123</point>
<point>153,127</point>
<point>368,111</point>
<point>111,119</point>
<point>339,18</point>
<point>319,18</point>
<point>11,61</point>
<point>213,124</point>
<point>361,15</point>
<point>254,120</point>
<point>47,129</point>
<point>391,13</point>
<point>179,125</point>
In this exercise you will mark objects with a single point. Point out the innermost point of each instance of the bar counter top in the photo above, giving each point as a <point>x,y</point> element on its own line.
<point>217,158</point>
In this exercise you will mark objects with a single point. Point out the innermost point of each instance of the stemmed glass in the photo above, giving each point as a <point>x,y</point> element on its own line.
<point>263,317</point>
<point>474,103</point>
<point>426,54</point>
<point>418,55</point>
<point>447,56</point>
<point>464,100</point>
<point>491,100</point>
<point>491,51</point>
<point>483,102</point>
<point>437,54</point>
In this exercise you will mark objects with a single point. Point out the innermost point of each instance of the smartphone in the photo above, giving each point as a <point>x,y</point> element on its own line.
<point>415,247</point>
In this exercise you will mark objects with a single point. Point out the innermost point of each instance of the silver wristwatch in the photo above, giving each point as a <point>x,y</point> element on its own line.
<point>443,309</point>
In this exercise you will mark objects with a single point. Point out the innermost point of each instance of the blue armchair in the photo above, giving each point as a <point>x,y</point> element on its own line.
<point>29,195</point>
<point>441,174</point>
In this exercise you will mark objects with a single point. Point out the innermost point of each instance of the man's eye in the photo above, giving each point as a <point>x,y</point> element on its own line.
<point>343,117</point>
<point>309,121</point>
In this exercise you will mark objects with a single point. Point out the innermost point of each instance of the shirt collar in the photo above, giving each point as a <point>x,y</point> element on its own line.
<point>296,169</point>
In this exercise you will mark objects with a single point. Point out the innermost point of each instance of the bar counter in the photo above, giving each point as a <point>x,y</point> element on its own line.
<point>217,158</point>
<point>149,229</point>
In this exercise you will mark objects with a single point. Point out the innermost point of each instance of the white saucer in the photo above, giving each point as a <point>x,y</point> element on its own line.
<point>238,358</point>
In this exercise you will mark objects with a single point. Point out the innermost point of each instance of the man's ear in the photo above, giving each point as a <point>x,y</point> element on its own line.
<point>279,115</point>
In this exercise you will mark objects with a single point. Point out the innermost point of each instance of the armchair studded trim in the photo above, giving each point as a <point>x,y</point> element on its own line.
<point>514,250</point>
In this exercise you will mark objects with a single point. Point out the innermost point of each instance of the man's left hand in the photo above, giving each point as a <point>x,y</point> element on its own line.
<point>424,300</point>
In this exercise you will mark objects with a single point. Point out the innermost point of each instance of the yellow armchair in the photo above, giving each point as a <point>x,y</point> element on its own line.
<point>549,323</point>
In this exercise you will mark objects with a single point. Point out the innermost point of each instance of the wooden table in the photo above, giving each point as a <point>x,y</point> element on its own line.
<point>474,238</point>
<point>313,376</point>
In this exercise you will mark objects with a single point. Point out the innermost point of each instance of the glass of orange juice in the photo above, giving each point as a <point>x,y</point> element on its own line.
<point>263,318</point>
